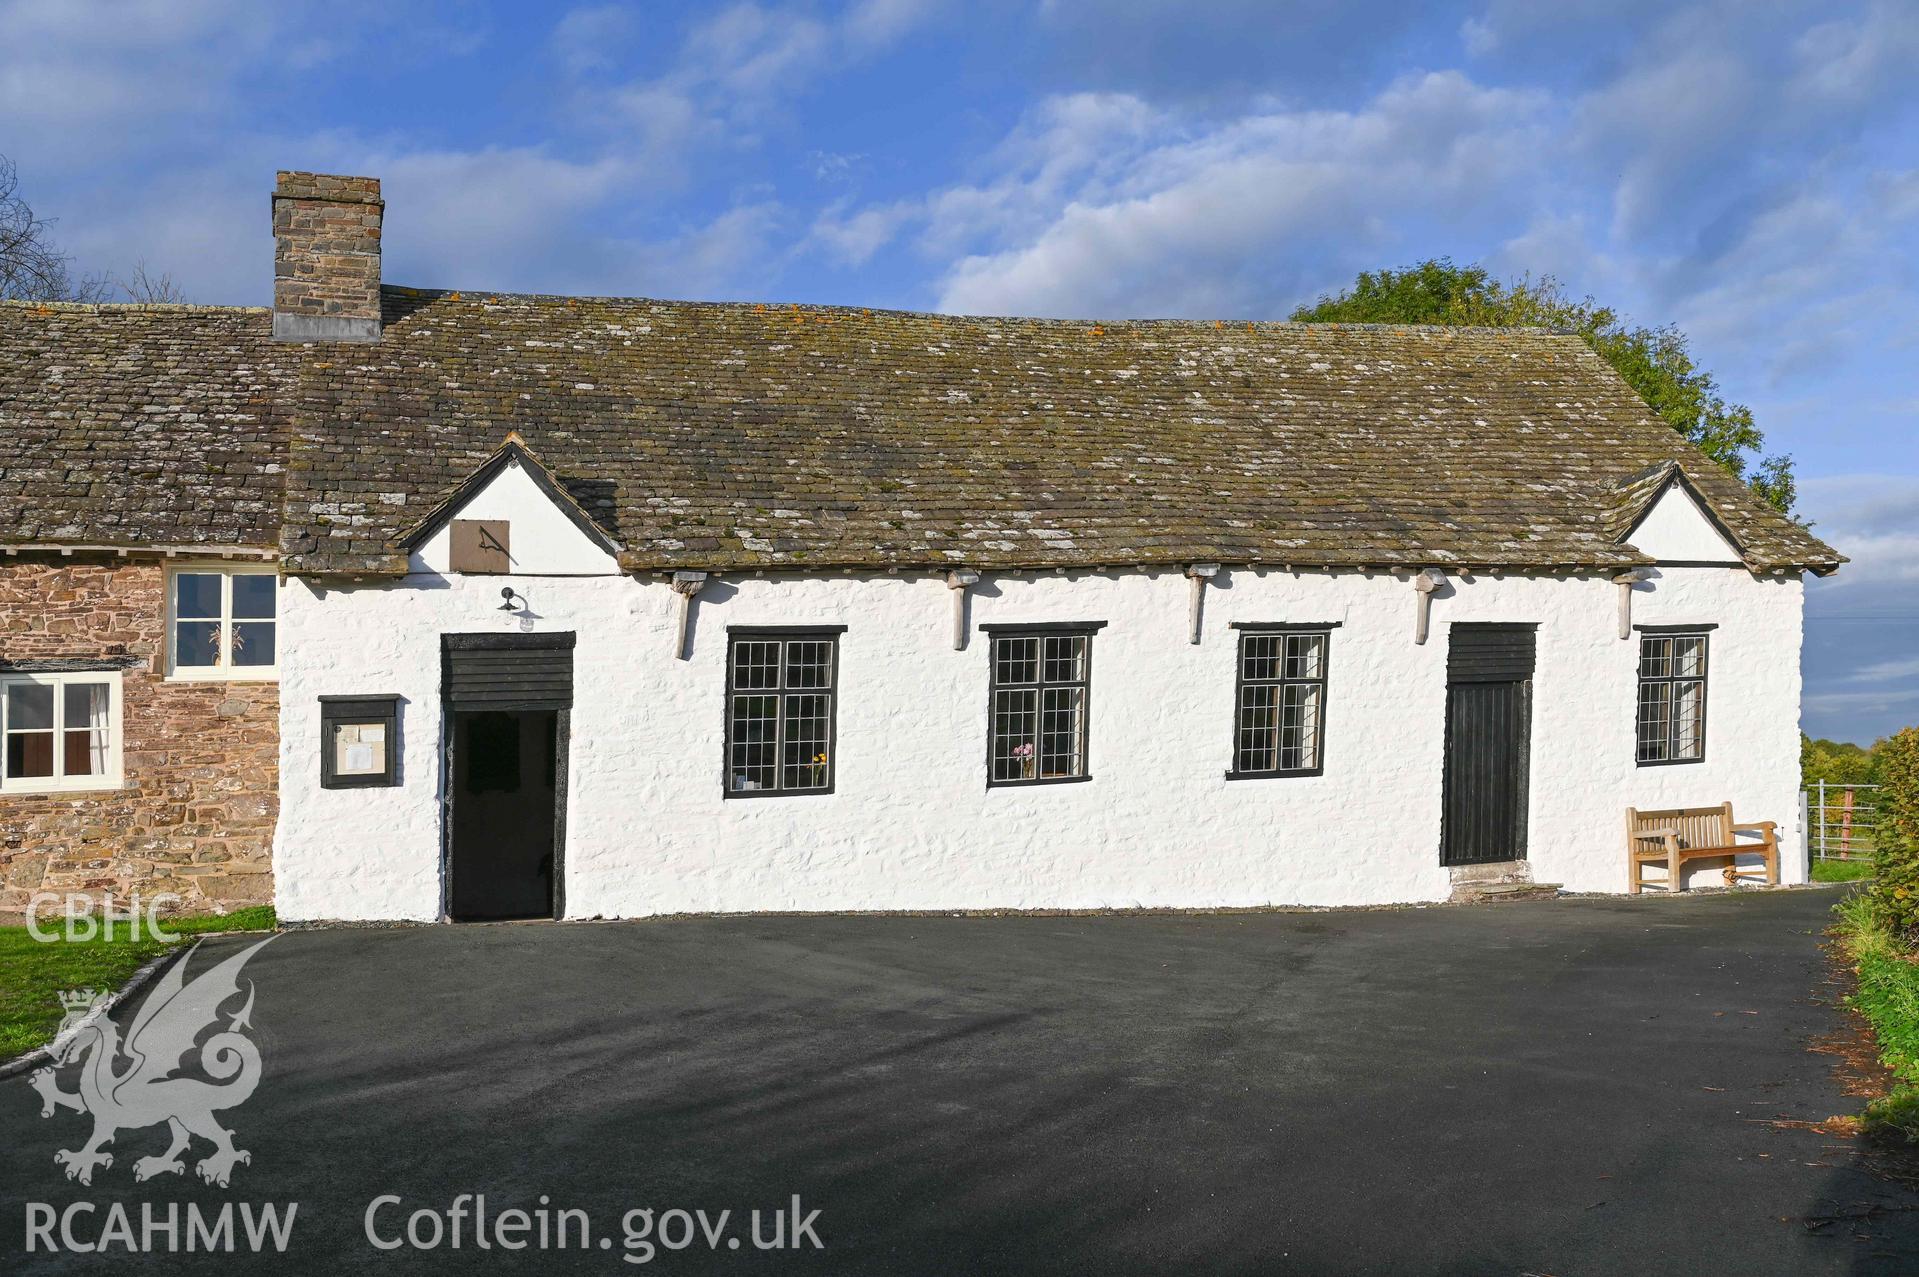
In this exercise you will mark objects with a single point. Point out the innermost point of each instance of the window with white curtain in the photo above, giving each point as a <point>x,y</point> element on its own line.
<point>223,622</point>
<point>61,731</point>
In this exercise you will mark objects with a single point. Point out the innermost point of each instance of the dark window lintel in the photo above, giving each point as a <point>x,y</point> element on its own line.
<point>1041,627</point>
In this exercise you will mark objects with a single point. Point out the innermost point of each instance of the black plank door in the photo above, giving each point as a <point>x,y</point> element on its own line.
<point>1489,672</point>
<point>508,710</point>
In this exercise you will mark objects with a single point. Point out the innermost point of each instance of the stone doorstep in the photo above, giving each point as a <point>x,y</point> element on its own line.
<point>1493,871</point>
<point>1498,881</point>
<point>1492,891</point>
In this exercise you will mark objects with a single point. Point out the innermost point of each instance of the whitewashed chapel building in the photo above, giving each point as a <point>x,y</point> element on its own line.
<point>597,607</point>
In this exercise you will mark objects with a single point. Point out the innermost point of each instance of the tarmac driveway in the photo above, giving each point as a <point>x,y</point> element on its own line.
<point>1568,1087</point>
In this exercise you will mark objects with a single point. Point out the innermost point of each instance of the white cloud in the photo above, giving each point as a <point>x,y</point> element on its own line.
<point>1887,671</point>
<point>852,239</point>
<point>1848,61</point>
<point>873,23</point>
<point>591,39</point>
<point>1102,204</point>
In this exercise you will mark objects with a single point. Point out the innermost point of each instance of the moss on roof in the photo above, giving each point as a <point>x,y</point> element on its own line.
<point>742,436</point>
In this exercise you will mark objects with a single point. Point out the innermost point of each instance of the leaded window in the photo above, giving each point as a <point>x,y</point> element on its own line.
<point>1280,720</point>
<point>1040,682</point>
<point>780,689</point>
<point>1672,698</point>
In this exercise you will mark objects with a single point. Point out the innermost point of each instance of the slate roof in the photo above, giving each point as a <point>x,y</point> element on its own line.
<point>735,436</point>
<point>141,426</point>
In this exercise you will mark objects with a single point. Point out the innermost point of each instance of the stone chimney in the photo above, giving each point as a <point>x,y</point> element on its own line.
<point>326,257</point>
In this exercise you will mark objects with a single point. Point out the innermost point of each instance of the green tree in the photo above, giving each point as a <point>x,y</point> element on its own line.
<point>1835,762</point>
<point>1656,362</point>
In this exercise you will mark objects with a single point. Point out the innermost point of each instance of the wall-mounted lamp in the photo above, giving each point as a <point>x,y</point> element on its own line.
<point>508,593</point>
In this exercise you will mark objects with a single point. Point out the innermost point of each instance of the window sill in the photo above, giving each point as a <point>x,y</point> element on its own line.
<point>1037,780</point>
<point>776,793</point>
<point>1671,762</point>
<point>92,785</point>
<point>262,675</point>
<point>1286,775</point>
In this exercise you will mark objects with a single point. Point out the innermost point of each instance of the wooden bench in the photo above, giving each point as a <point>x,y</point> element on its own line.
<point>1695,833</point>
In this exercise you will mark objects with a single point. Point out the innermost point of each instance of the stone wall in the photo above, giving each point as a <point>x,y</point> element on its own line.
<point>326,262</point>
<point>196,811</point>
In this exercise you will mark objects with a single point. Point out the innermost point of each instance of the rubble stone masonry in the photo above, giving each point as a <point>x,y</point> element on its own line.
<point>196,811</point>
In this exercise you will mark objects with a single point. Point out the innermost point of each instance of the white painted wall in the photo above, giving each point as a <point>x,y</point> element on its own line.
<point>913,826</point>
<point>1676,530</point>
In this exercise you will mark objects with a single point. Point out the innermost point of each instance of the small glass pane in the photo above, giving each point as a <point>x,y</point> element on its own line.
<point>253,643</point>
<point>1015,660</point>
<point>84,718</point>
<point>1061,745</point>
<point>1299,728</point>
<point>1689,657</point>
<point>29,706</point>
<point>359,749</point>
<point>809,663</point>
<point>1655,720</point>
<point>196,595</point>
<point>253,595</point>
<point>29,755</point>
<point>196,644</point>
<point>805,764</point>
<point>1258,728</point>
<point>1065,658</point>
<point>1689,720</point>
<point>755,736</point>
<point>1655,658</point>
<point>1303,655</point>
<point>1260,656</point>
<point>756,664</point>
<point>1015,717</point>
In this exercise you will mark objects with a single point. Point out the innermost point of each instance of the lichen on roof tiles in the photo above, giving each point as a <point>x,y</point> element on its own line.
<point>720,436</point>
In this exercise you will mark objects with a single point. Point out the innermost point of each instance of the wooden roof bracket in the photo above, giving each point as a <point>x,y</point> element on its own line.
<point>1427,582</point>
<point>956,581</point>
<point>1199,574</point>
<point>1626,581</point>
<point>687,585</point>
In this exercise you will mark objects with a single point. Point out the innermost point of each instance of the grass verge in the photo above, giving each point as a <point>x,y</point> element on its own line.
<point>1840,870</point>
<point>34,972</point>
<point>1888,997</point>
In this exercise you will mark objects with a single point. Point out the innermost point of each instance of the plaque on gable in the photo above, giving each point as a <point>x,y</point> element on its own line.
<point>480,545</point>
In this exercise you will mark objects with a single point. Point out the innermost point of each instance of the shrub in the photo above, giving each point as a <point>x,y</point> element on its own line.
<point>1888,996</point>
<point>1896,884</point>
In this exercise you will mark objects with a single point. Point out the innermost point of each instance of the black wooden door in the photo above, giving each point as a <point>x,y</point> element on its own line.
<point>508,709</point>
<point>1489,671</point>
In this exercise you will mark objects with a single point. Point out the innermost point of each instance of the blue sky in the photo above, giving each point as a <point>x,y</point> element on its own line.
<point>1746,170</point>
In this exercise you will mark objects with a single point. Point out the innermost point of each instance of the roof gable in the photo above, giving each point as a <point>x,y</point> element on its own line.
<point>548,533</point>
<point>1667,519</point>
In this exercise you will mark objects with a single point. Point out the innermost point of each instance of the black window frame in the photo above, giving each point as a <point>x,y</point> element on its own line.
<point>341,711</point>
<point>1041,630</point>
<point>1263,629</point>
<point>1653,633</point>
<point>783,634</point>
